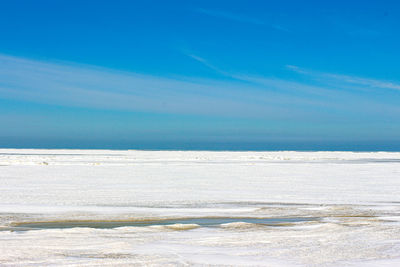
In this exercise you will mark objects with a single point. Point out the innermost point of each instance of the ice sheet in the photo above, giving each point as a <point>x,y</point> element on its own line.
<point>349,205</point>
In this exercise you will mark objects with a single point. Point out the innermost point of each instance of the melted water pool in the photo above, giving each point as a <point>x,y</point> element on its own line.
<point>205,222</point>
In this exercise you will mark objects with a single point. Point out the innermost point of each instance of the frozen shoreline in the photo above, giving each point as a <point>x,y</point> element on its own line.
<point>354,195</point>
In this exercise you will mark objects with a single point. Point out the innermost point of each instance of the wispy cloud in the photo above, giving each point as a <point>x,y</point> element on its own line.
<point>246,96</point>
<point>92,87</point>
<point>208,64</point>
<point>239,18</point>
<point>354,80</point>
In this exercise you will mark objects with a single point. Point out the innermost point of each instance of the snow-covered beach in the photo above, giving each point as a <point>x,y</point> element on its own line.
<point>123,208</point>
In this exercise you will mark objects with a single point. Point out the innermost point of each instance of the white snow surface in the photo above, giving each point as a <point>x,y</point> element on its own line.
<point>80,208</point>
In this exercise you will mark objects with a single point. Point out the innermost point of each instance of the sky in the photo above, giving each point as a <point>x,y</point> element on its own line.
<point>223,75</point>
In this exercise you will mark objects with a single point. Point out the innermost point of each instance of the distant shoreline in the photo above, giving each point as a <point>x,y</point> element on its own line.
<point>205,149</point>
<point>198,150</point>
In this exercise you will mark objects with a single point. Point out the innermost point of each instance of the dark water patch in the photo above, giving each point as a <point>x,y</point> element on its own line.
<point>203,222</point>
<point>324,161</point>
<point>389,202</point>
<point>371,160</point>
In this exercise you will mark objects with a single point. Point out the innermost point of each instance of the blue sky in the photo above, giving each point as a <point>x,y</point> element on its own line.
<point>200,74</point>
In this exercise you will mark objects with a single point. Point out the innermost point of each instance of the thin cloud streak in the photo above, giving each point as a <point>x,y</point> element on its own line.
<point>239,18</point>
<point>374,83</point>
<point>208,65</point>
